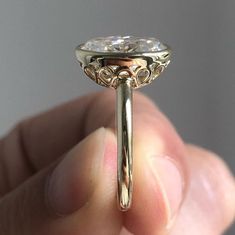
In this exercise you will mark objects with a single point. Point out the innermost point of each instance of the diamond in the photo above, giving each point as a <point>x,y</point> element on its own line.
<point>123,44</point>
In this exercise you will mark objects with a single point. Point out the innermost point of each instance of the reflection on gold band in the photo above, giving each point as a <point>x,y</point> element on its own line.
<point>124,72</point>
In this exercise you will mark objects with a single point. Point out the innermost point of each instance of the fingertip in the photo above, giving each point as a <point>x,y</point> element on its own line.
<point>101,213</point>
<point>88,204</point>
<point>157,196</point>
<point>211,193</point>
<point>74,178</point>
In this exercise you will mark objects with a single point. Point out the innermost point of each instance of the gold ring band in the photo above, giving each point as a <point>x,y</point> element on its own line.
<point>124,67</point>
<point>124,143</point>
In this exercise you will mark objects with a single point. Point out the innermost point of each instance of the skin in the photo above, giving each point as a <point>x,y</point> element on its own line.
<point>58,175</point>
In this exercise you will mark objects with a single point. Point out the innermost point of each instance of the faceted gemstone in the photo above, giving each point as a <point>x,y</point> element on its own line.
<point>123,44</point>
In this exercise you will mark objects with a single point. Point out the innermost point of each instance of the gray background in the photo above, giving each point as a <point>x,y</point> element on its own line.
<point>38,67</point>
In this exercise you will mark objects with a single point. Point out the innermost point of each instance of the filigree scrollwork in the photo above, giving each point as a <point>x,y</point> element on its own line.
<point>107,73</point>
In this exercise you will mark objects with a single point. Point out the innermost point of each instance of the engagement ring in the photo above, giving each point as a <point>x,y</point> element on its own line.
<point>123,63</point>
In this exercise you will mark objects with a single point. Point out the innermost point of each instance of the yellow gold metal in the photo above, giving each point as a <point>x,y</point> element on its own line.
<point>124,138</point>
<point>106,68</point>
<point>123,71</point>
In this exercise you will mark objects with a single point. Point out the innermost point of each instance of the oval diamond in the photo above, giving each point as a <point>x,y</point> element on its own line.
<point>123,44</point>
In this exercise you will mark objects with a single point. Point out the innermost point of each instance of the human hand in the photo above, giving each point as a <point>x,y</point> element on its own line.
<point>58,176</point>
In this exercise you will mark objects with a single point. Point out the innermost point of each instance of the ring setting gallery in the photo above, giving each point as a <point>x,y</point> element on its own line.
<point>123,63</point>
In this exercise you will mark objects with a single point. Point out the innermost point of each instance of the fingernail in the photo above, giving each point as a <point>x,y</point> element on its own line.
<point>73,180</point>
<point>168,177</point>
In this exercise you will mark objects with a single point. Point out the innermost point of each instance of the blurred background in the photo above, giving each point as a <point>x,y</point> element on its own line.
<point>38,68</point>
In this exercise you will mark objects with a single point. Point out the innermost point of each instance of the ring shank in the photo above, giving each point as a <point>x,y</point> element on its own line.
<point>125,143</point>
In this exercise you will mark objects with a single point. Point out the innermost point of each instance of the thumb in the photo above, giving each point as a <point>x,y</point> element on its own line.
<point>74,197</point>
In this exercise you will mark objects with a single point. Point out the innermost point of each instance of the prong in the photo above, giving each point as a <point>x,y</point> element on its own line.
<point>125,143</point>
